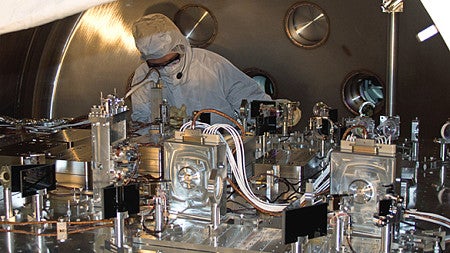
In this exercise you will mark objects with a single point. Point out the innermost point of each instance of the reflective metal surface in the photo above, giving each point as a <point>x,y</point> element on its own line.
<point>101,37</point>
<point>363,87</point>
<point>242,229</point>
<point>307,25</point>
<point>198,24</point>
<point>196,236</point>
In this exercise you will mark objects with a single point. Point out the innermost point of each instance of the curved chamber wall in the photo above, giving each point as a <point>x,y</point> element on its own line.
<point>60,69</point>
<point>99,58</point>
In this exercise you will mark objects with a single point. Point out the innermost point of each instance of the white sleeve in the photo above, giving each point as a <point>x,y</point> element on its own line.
<point>239,86</point>
<point>140,104</point>
<point>140,99</point>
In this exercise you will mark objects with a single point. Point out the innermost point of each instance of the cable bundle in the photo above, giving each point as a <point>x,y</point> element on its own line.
<point>429,217</point>
<point>238,168</point>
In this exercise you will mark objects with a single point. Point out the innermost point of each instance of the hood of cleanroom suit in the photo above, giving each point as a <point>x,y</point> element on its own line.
<point>155,36</point>
<point>208,80</point>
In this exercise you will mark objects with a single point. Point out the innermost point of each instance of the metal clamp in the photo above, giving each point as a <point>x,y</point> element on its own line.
<point>390,6</point>
<point>214,193</point>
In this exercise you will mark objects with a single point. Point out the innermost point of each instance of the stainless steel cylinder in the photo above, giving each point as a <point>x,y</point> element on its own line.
<point>10,240</point>
<point>38,202</point>
<point>443,150</point>
<point>339,233</point>
<point>159,215</point>
<point>8,203</point>
<point>392,64</point>
<point>299,245</point>
<point>120,228</point>
<point>263,141</point>
<point>386,238</point>
<point>415,151</point>
<point>88,182</point>
<point>215,215</point>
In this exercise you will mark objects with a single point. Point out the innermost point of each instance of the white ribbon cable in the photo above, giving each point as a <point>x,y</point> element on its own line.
<point>238,167</point>
<point>437,216</point>
<point>418,217</point>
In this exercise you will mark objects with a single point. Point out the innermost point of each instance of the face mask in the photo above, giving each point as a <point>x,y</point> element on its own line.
<point>171,69</point>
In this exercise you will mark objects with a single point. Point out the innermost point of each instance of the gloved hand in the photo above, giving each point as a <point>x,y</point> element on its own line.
<point>177,115</point>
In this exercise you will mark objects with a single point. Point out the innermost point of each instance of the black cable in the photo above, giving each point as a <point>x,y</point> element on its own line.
<point>286,182</point>
<point>230,195</point>
<point>350,244</point>
<point>281,179</point>
<point>285,139</point>
<point>292,195</point>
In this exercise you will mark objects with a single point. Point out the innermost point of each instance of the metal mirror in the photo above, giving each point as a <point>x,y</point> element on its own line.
<point>307,25</point>
<point>198,24</point>
<point>362,93</point>
<point>264,79</point>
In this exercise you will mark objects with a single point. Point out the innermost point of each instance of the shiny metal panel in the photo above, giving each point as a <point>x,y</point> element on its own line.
<point>73,174</point>
<point>228,238</point>
<point>73,137</point>
<point>151,161</point>
<point>101,39</point>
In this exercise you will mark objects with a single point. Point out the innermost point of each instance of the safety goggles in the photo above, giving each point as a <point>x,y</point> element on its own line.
<point>173,60</point>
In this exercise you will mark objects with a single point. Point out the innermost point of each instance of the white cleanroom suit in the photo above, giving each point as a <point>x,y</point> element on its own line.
<point>201,79</point>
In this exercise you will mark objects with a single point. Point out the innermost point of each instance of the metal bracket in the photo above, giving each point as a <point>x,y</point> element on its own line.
<point>61,231</point>
<point>390,6</point>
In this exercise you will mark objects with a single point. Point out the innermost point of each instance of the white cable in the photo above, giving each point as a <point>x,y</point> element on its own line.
<point>238,167</point>
<point>72,125</point>
<point>321,177</point>
<point>134,88</point>
<point>418,217</point>
<point>377,139</point>
<point>349,137</point>
<point>141,83</point>
<point>381,139</point>
<point>325,185</point>
<point>437,216</point>
<point>197,125</point>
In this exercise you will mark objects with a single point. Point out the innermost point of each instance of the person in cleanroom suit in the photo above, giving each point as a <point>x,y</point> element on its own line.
<point>194,78</point>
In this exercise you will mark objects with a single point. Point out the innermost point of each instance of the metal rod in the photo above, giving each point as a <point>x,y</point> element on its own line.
<point>10,238</point>
<point>120,228</point>
<point>392,64</point>
<point>299,245</point>
<point>443,150</point>
<point>339,233</point>
<point>88,176</point>
<point>159,215</point>
<point>215,216</point>
<point>38,200</point>
<point>386,238</point>
<point>8,203</point>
